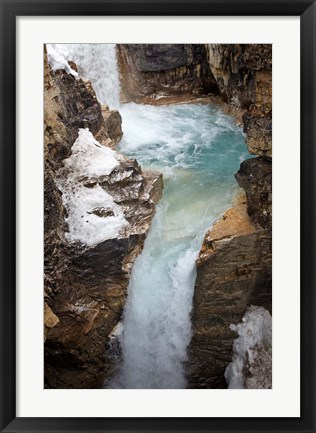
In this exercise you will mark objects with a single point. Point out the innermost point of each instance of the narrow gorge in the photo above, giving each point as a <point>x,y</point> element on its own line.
<point>158,219</point>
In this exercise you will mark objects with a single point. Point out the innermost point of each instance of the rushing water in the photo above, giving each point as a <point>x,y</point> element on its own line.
<point>198,149</point>
<point>98,63</point>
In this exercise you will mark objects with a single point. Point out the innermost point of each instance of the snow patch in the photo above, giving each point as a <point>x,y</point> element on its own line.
<point>89,158</point>
<point>58,58</point>
<point>93,216</point>
<point>251,364</point>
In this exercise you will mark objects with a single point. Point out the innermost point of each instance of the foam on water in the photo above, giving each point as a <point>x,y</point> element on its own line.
<point>198,149</point>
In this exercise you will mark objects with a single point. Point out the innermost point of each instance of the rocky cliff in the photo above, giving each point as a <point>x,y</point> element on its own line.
<point>85,284</point>
<point>234,268</point>
<point>243,73</point>
<point>164,73</point>
<point>86,280</point>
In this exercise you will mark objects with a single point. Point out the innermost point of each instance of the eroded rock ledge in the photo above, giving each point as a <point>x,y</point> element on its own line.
<point>243,73</point>
<point>164,73</point>
<point>86,286</point>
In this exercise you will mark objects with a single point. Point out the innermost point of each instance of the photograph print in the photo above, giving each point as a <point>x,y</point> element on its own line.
<point>157,216</point>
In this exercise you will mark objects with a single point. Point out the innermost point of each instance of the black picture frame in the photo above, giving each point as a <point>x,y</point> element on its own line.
<point>10,9</point>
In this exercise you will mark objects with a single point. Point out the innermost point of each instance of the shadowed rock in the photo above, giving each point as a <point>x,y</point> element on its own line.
<point>164,73</point>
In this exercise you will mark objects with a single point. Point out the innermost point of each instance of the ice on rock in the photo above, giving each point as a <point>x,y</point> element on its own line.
<point>85,221</point>
<point>89,158</point>
<point>58,58</point>
<point>251,363</point>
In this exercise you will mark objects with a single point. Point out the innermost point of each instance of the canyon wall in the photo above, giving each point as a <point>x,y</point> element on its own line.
<point>243,73</point>
<point>234,268</point>
<point>86,285</point>
<point>164,73</point>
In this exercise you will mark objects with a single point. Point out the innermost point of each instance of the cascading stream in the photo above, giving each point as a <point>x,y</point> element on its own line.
<point>198,149</point>
<point>98,63</point>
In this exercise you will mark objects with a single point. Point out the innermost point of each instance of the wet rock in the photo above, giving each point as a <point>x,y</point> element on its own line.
<point>160,73</point>
<point>102,212</point>
<point>255,177</point>
<point>233,270</point>
<point>113,123</point>
<point>90,182</point>
<point>70,104</point>
<point>258,128</point>
<point>243,73</point>
<point>50,319</point>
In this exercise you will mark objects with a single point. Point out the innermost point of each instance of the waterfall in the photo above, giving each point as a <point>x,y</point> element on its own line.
<point>198,149</point>
<point>98,63</point>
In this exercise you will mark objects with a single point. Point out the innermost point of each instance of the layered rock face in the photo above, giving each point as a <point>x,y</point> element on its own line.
<point>86,285</point>
<point>164,73</point>
<point>233,271</point>
<point>234,268</point>
<point>244,77</point>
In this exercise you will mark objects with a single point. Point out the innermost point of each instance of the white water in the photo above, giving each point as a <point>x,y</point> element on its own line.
<point>198,149</point>
<point>57,56</point>
<point>98,63</point>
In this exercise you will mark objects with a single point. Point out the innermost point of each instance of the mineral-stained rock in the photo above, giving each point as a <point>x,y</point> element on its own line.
<point>255,177</point>
<point>258,128</point>
<point>160,73</point>
<point>112,123</point>
<point>233,270</point>
<point>86,286</point>
<point>243,73</point>
<point>50,319</point>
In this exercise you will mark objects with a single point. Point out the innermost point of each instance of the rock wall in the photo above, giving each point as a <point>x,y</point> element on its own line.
<point>86,287</point>
<point>164,73</point>
<point>255,177</point>
<point>243,73</point>
<point>234,268</point>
